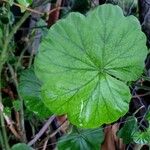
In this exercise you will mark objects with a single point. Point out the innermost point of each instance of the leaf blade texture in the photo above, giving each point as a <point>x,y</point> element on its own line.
<point>82,139</point>
<point>29,88</point>
<point>85,63</point>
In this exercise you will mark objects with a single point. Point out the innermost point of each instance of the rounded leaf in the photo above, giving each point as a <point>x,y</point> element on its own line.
<point>85,63</point>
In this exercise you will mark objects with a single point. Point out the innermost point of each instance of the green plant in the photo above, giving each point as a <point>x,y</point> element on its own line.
<point>25,3</point>
<point>81,139</point>
<point>130,132</point>
<point>6,43</point>
<point>30,89</point>
<point>85,69</point>
<point>21,146</point>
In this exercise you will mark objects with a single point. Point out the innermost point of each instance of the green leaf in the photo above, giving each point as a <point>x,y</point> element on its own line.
<point>148,116</point>
<point>21,146</point>
<point>82,140</point>
<point>25,3</point>
<point>85,63</point>
<point>7,111</point>
<point>17,105</point>
<point>128,130</point>
<point>131,133</point>
<point>142,137</point>
<point>30,88</point>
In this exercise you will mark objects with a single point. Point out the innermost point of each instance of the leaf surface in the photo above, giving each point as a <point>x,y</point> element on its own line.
<point>128,130</point>
<point>89,139</point>
<point>30,87</point>
<point>85,63</point>
<point>142,137</point>
<point>21,146</point>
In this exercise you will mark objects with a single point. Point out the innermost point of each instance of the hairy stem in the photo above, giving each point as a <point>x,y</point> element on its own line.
<point>1,141</point>
<point>4,133</point>
<point>3,58</point>
<point>22,129</point>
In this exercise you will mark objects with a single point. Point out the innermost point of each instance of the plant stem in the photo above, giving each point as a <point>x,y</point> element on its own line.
<point>26,8</point>
<point>31,59</point>
<point>22,54</point>
<point>7,40</point>
<point>3,59</point>
<point>1,141</point>
<point>22,127</point>
<point>18,25</point>
<point>14,30</point>
<point>4,133</point>
<point>58,129</point>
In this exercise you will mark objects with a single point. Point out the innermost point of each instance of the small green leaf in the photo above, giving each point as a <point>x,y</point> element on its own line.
<point>21,146</point>
<point>7,111</point>
<point>25,3</point>
<point>17,105</point>
<point>128,130</point>
<point>85,63</point>
<point>131,133</point>
<point>147,117</point>
<point>142,137</point>
<point>30,90</point>
<point>82,140</point>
